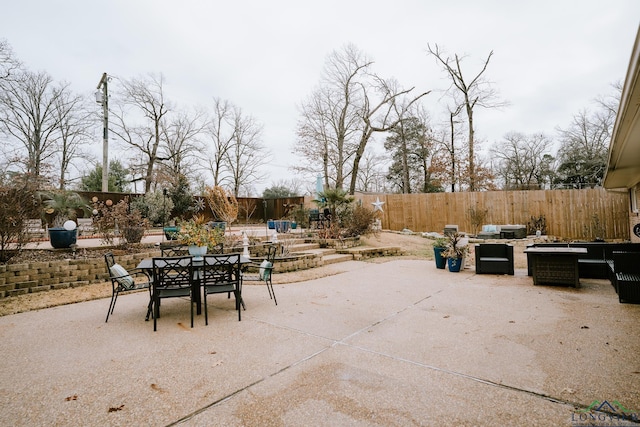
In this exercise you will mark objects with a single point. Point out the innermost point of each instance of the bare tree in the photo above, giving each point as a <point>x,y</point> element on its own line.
<point>328,132</point>
<point>380,116</point>
<point>180,147</point>
<point>247,153</point>
<point>371,176</point>
<point>28,114</point>
<point>138,122</point>
<point>474,92</point>
<point>340,117</point>
<point>521,160</point>
<point>9,63</point>
<point>75,121</point>
<point>221,132</point>
<point>610,102</point>
<point>582,157</point>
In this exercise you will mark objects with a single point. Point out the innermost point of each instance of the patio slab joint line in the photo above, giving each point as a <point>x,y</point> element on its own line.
<point>232,394</point>
<point>575,405</point>
<point>296,363</point>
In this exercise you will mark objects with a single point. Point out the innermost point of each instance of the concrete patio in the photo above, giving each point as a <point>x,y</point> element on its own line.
<point>392,344</point>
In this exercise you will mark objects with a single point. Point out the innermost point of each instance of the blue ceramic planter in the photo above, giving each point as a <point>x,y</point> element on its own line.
<point>220,225</point>
<point>441,261</point>
<point>282,226</point>
<point>455,264</point>
<point>61,238</point>
<point>171,233</point>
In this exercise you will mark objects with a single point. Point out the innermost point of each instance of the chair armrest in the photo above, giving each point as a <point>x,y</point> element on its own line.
<point>138,272</point>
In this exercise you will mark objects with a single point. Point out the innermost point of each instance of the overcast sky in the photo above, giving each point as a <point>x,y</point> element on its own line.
<point>551,58</point>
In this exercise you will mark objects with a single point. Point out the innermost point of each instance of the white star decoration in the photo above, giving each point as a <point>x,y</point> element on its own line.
<point>377,205</point>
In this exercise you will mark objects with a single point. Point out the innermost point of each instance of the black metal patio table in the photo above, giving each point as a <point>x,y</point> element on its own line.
<point>146,265</point>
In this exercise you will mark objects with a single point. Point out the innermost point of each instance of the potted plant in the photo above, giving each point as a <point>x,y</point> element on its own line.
<point>63,206</point>
<point>456,250</point>
<point>198,236</point>
<point>439,246</point>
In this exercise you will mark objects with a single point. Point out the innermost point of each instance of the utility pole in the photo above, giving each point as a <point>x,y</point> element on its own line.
<point>104,100</point>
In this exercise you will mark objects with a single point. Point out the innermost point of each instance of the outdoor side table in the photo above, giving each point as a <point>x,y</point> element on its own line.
<point>555,266</point>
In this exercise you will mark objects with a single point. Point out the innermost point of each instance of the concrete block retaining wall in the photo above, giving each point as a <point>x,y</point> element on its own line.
<point>20,279</point>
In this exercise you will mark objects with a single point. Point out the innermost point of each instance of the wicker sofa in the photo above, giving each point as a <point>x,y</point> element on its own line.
<point>595,263</point>
<point>625,275</point>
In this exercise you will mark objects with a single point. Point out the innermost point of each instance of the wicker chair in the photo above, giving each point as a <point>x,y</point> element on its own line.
<point>494,258</point>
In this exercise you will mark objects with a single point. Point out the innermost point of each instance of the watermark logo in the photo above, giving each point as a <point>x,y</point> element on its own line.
<point>605,413</point>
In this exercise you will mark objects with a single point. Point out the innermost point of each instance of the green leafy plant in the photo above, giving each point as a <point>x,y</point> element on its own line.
<point>154,206</point>
<point>301,216</point>
<point>457,246</point>
<point>338,201</point>
<point>63,205</point>
<point>182,198</point>
<point>440,242</point>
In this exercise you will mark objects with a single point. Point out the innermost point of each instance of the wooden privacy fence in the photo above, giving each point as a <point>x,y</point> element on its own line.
<point>570,214</point>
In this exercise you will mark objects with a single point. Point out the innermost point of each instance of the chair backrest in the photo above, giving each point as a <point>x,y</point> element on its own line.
<point>626,262</point>
<point>271,253</point>
<point>220,270</point>
<point>217,249</point>
<point>119,275</point>
<point>172,272</point>
<point>502,250</point>
<point>173,250</point>
<point>108,258</point>
<point>266,267</point>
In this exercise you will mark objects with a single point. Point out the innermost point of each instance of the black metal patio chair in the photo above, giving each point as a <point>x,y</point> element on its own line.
<point>173,277</point>
<point>263,272</point>
<point>173,249</point>
<point>123,281</point>
<point>221,274</point>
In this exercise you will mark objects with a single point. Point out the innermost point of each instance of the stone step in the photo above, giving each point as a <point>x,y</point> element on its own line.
<point>336,258</point>
<point>303,247</point>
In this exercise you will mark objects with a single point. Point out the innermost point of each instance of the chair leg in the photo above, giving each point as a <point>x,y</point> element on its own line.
<point>266,282</point>
<point>155,312</point>
<point>238,304</point>
<point>271,291</point>
<point>206,312</point>
<point>112,305</point>
<point>149,308</point>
